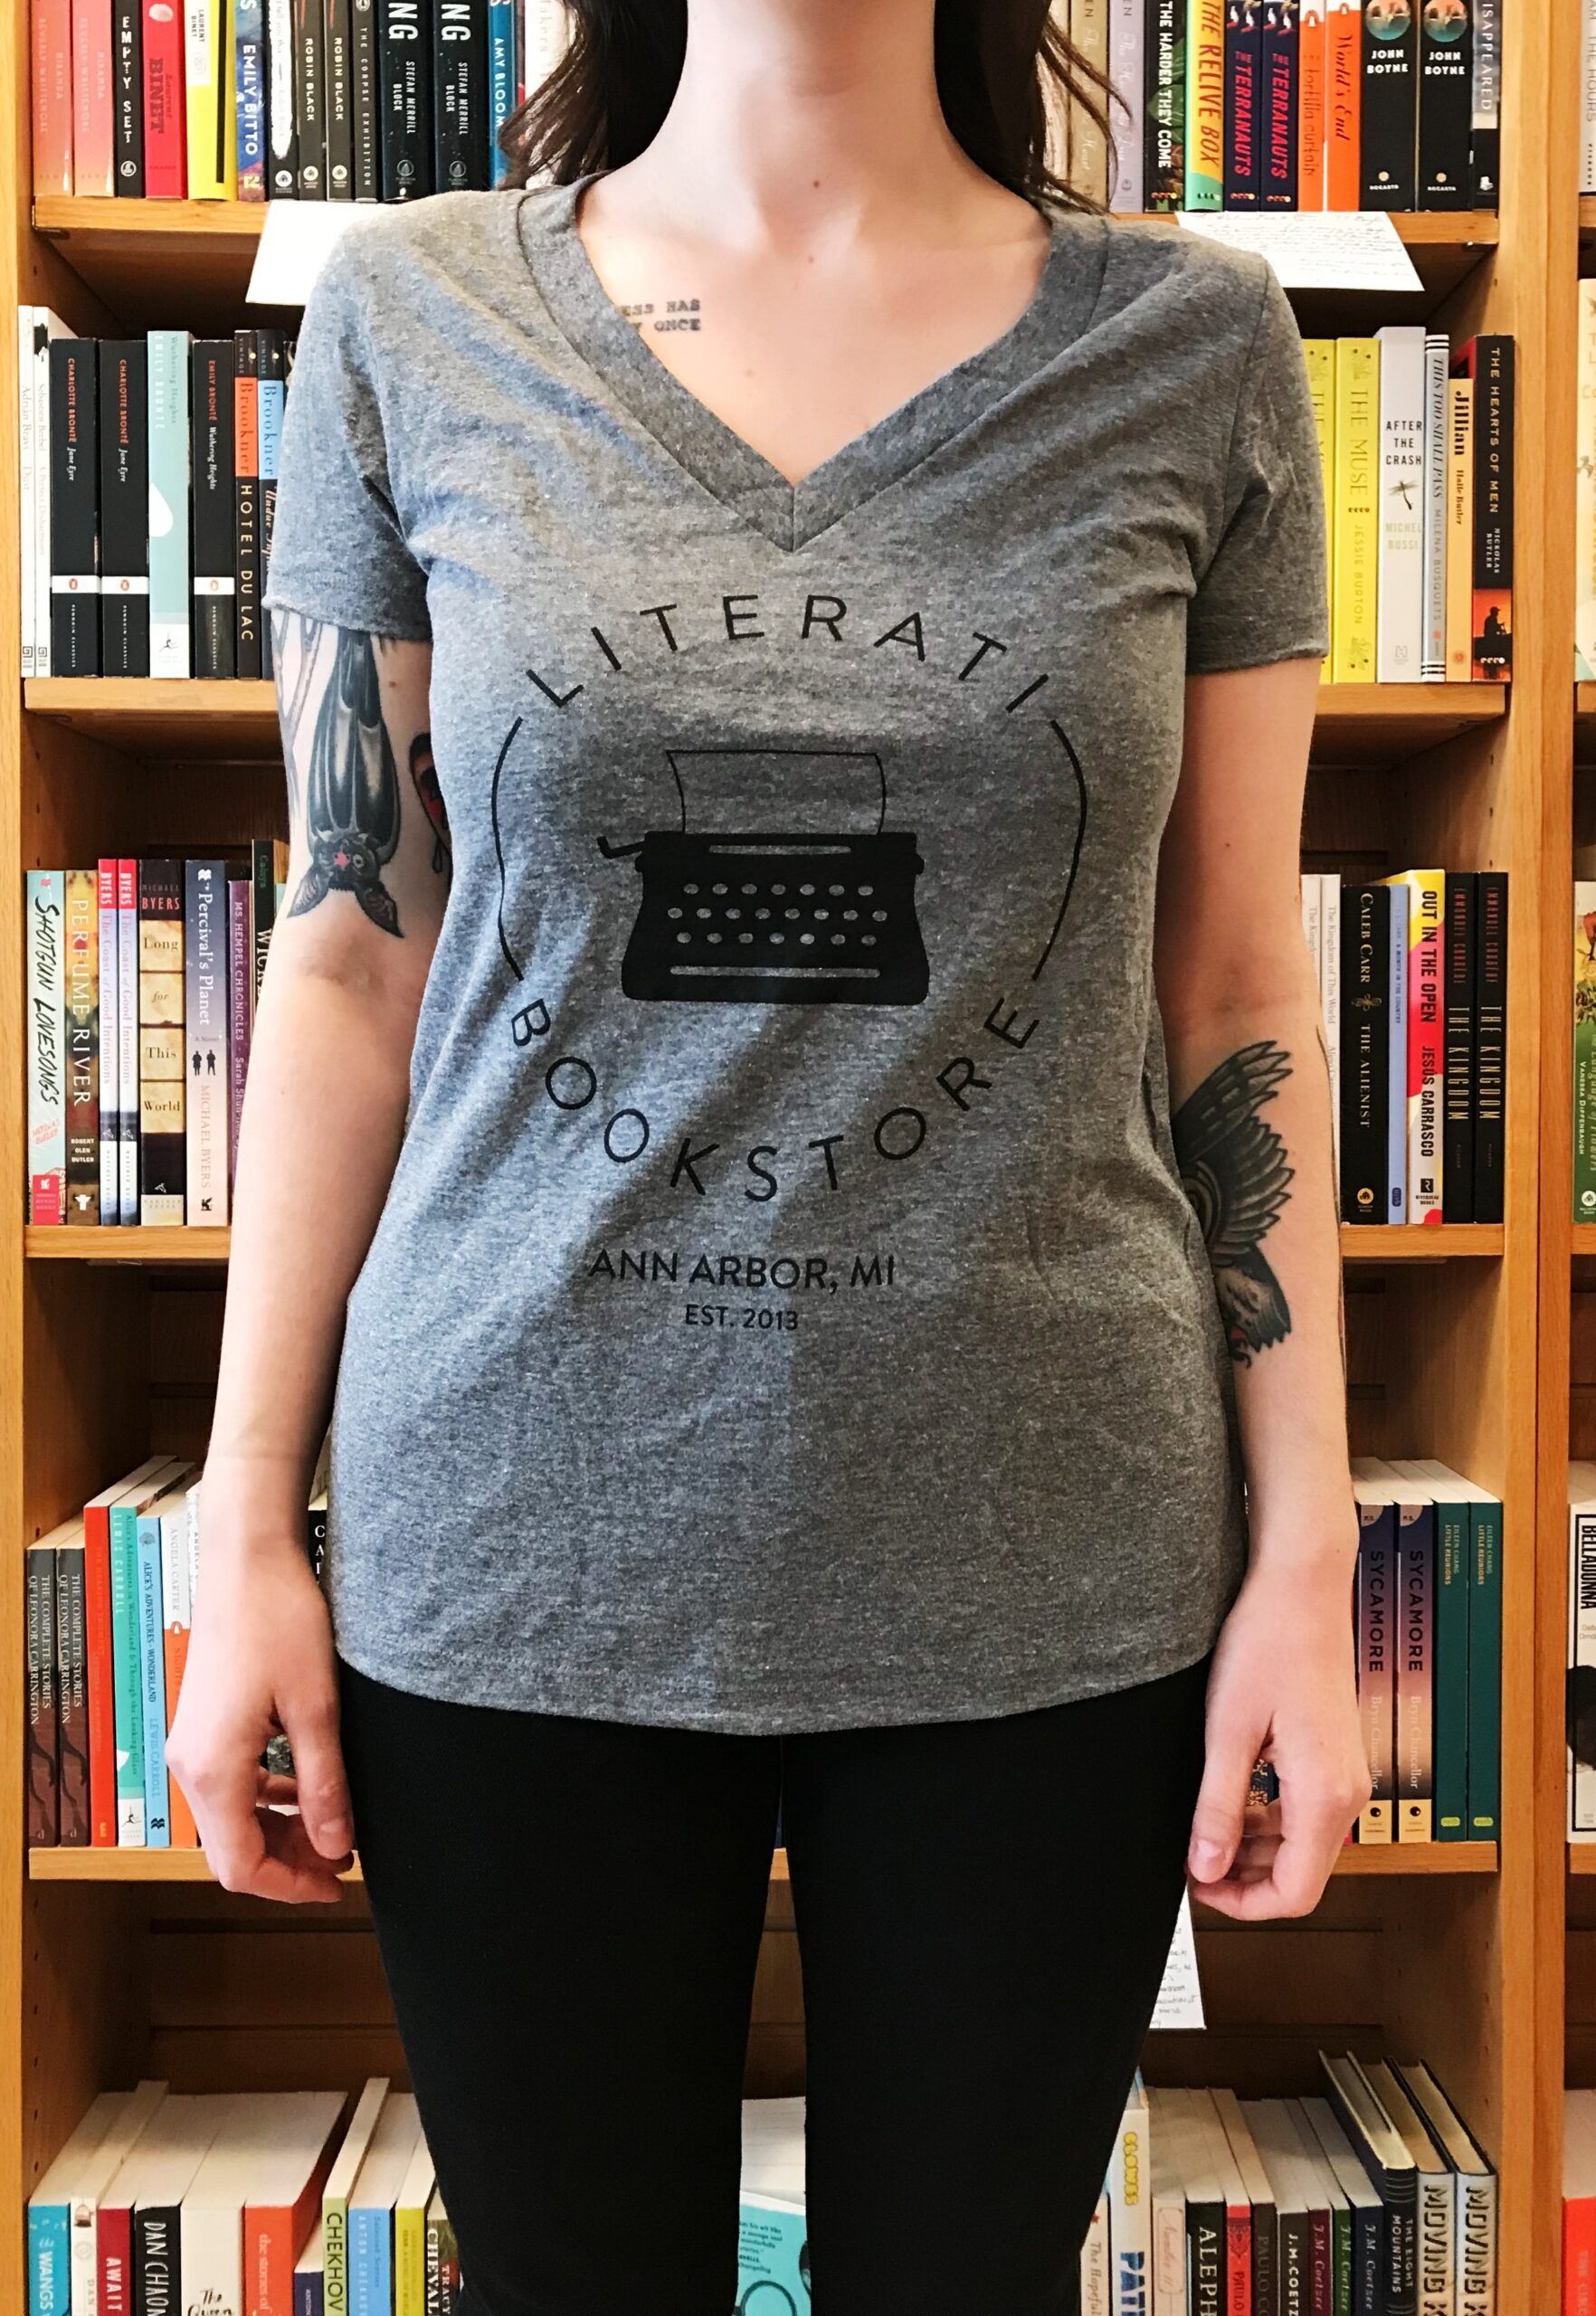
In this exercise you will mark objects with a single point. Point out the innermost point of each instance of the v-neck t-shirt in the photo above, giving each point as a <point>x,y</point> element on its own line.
<point>786,1313</point>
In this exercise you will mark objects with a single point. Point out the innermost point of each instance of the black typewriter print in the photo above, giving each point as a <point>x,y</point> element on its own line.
<point>730,915</point>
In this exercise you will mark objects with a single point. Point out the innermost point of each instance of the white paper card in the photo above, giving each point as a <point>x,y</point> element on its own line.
<point>1180,1997</point>
<point>1351,249</point>
<point>296,241</point>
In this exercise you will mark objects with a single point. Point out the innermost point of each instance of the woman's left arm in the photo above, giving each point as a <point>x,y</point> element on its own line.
<point>1250,1098</point>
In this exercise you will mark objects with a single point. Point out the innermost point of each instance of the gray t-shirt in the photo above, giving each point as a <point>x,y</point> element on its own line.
<point>786,1313</point>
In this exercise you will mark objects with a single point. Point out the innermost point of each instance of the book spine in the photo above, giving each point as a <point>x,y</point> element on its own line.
<point>1460,1064</point>
<point>1490,1047</point>
<point>1415,1674</point>
<point>1585,485</point>
<point>71,1660</point>
<point>1432,667</point>
<point>1376,1687</point>
<point>264,904</point>
<point>124,508</point>
<point>114,2230</point>
<point>177,1620</point>
<point>1451,1672</point>
<point>212,146</point>
<point>50,27</point>
<point>1296,2264</point>
<point>1343,106</point>
<point>1093,2267</point>
<point>1485,1672</point>
<point>1389,129</point>
<point>1330,992</point>
<point>250,98</point>
<point>46,1045</point>
<point>111,1155</point>
<point>405,82</point>
<point>1365,1073</point>
<point>1130,2230</point>
<point>1426,1041</point>
<point>74,508</point>
<point>152,1681</point>
<point>49,2261</point>
<point>271,361</point>
<point>97,1634</point>
<point>1205,2260</point>
<point>27,502</point>
<point>1354,559</point>
<point>127,94</point>
<point>1319,360</point>
<point>1446,78</point>
<point>309,99</point>
<point>364,100</point>
<point>239,1025</point>
<point>128,1037</point>
<point>1460,529</point>
<point>1128,61</point>
<point>1243,109</point>
<point>501,94</point>
<point>1400,585</point>
<point>1321,2263</point>
<point>158,2259</point>
<point>460,94</point>
<point>1491,365</point>
<point>42,1782</point>
<point>169,624</point>
<point>160,1043</point>
<point>335,2254</point>
<point>126,1685</point>
<point>42,336</point>
<point>1165,105</point>
<point>337,95</point>
<point>165,171</point>
<point>214,509</point>
<point>1587,96</point>
<point>1485,132</point>
<point>93,139</point>
<point>206,978</point>
<point>1205,105</point>
<point>1477,2244</point>
<point>1314,84</point>
<point>82,1047</point>
<point>283,139</point>
<point>246,501</point>
<point>1279,94</point>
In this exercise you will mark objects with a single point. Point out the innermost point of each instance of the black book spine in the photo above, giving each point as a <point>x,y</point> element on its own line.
<point>337,96</point>
<point>124,506</point>
<point>1164,104</point>
<point>1368,2260</point>
<point>74,509</point>
<point>127,120</point>
<point>213,515</point>
<point>365,102</point>
<point>158,2259</point>
<point>1205,2257</point>
<point>1485,134</point>
<point>405,88</point>
<point>1390,126</point>
<point>1493,414</point>
<point>1278,92</point>
<point>1365,1051</point>
<point>71,1696</point>
<point>246,500</point>
<point>1401,2212</point>
<point>1243,108</point>
<point>1460,933</point>
<point>1445,86</point>
<point>309,101</point>
<point>1266,2261</point>
<point>282,138</point>
<point>460,95</point>
<point>1490,1045</point>
<point>271,367</point>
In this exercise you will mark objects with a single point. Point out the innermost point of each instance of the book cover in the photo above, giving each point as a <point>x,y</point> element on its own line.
<point>1399,586</point>
<point>1366,1056</point>
<point>1366,2213</point>
<point>250,98</point>
<point>1312,115</point>
<point>82,1046</point>
<point>92,2185</point>
<point>1415,1672</point>
<point>460,94</point>
<point>1243,104</point>
<point>335,2193</point>
<point>176,1624</point>
<point>1343,179</point>
<point>152,1676</point>
<point>1433,667</point>
<point>365,101</point>
<point>1127,67</point>
<point>42,1819</point>
<point>271,365</point>
<point>1460,529</point>
<point>1164,105</point>
<point>74,508</point>
<point>205,939</point>
<point>1445,100</point>
<point>1389,131</point>
<point>71,1689</point>
<point>283,2191</point>
<point>337,100</point>
<point>282,140</point>
<point>214,511</point>
<point>170,644</point>
<point>1355,540</point>
<point>110,1124</point>
<point>405,84</point>
<point>1396,1164</point>
<point>128,96</point>
<point>208,113</point>
<point>45,905</point>
<point>1279,99</point>
<point>1488,362</point>
<point>49,2254</point>
<point>1376,1682</point>
<point>128,1037</point>
<point>161,1138</point>
<point>93,162</point>
<point>246,500</point>
<point>1425,890</point>
<point>124,506</point>
<point>50,48</point>
<point>309,35</point>
<point>1264,2280</point>
<point>1484,127</point>
<point>1435,2216</point>
<point>165,162</point>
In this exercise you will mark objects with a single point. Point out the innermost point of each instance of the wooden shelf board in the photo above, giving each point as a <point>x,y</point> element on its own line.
<point>1584,1238</point>
<point>1415,1243</point>
<point>1581,1857</point>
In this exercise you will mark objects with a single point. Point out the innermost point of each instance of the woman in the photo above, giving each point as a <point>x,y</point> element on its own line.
<point>835,586</point>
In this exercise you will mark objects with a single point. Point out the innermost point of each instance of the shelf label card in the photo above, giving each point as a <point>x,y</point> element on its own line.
<point>1180,1997</point>
<point>1351,249</point>
<point>296,241</point>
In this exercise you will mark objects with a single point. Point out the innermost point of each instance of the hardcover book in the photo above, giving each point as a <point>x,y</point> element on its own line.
<point>1446,98</point>
<point>205,940</point>
<point>1389,130</point>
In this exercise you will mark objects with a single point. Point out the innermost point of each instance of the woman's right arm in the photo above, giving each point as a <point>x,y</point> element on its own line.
<point>323,1117</point>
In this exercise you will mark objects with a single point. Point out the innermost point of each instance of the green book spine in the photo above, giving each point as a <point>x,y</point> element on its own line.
<point>335,2256</point>
<point>126,1685</point>
<point>1451,1672</point>
<point>1484,1673</point>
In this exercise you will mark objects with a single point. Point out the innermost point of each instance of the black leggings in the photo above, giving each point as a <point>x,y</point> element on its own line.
<point>569,1913</point>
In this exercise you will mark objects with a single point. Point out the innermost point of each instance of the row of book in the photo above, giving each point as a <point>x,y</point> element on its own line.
<point>109,1608</point>
<point>1427,1615</point>
<point>243,2204</point>
<point>1295,104</point>
<point>1416,448</point>
<point>149,493</point>
<point>1371,2199</point>
<point>1413,990</point>
<point>274,99</point>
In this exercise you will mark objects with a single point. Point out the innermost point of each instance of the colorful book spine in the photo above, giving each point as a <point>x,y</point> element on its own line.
<point>1400,588</point>
<point>1343,109</point>
<point>1354,560</point>
<point>272,367</point>
<point>1205,104</point>
<point>205,944</point>
<point>250,98</point>
<point>1313,82</point>
<point>240,1017</point>
<point>128,1037</point>
<point>1243,108</point>
<point>1581,1666</point>
<point>1127,58</point>
<point>42,1818</point>
<point>1446,98</point>
<point>166,99</point>
<point>1279,99</point>
<point>93,137</point>
<point>1397,1158</point>
<point>71,1696</point>
<point>1319,360</point>
<point>82,1047</point>
<point>1490,1047</point>
<point>45,904</point>
<point>176,1622</point>
<point>1365,1071</point>
<point>1165,105</point>
<point>209,121</point>
<point>213,506</point>
<point>127,94</point>
<point>110,1153</point>
<point>1451,1669</point>
<point>1330,993</point>
<point>246,491</point>
<point>1461,1061</point>
<point>1376,1682</point>
<point>126,1683</point>
<point>501,92</point>
<point>1425,892</point>
<point>1485,1671</point>
<point>152,1680</point>
<point>1432,667</point>
<point>1460,529</point>
<point>170,652</point>
<point>161,1139</point>
<point>1415,1673</point>
<point>1489,363</point>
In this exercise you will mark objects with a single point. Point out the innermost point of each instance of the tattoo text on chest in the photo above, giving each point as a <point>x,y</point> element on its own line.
<point>664,313</point>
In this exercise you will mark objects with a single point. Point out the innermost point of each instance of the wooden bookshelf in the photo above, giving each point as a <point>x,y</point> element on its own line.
<point>1461,1343</point>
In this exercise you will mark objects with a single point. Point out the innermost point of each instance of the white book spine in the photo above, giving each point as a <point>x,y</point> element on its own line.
<point>205,1054</point>
<point>128,1036</point>
<point>1476,2244</point>
<point>83,2259</point>
<point>1400,633</point>
<point>1094,2264</point>
<point>1436,363</point>
<point>1437,2234</point>
<point>1588,99</point>
<point>1126,56</point>
<point>1312,922</point>
<point>213,2258</point>
<point>1585,492</point>
<point>26,477</point>
<point>174,1602</point>
<point>1582,1654</point>
<point>1330,990</point>
<point>110,1123</point>
<point>1130,2213</point>
<point>191,1542</point>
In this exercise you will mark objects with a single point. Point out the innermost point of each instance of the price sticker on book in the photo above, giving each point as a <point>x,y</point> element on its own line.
<point>296,241</point>
<point>1356,249</point>
<point>1180,1997</point>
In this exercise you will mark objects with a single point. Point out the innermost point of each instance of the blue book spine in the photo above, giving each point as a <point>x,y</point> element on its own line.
<point>501,79</point>
<point>249,96</point>
<point>1397,1165</point>
<point>170,648</point>
<point>50,2283</point>
<point>371,2262</point>
<point>308,2297</point>
<point>127,1690</point>
<point>152,1674</point>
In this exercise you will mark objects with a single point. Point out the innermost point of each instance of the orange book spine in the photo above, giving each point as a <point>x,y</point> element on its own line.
<point>268,2260</point>
<point>1312,65</point>
<point>102,1728</point>
<point>175,1651</point>
<point>1579,2256</point>
<point>1342,86</point>
<point>1238,2260</point>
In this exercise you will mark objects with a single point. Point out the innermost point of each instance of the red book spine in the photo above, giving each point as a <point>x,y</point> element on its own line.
<point>166,176</point>
<point>1579,2256</point>
<point>93,168</point>
<point>1238,2260</point>
<point>1342,101</point>
<point>114,2242</point>
<point>102,1728</point>
<point>51,28</point>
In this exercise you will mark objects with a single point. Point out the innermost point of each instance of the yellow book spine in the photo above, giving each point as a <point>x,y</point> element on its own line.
<point>410,2262</point>
<point>335,2256</point>
<point>1319,354</point>
<point>1205,104</point>
<point>209,115</point>
<point>1354,562</point>
<point>1459,529</point>
<point>1089,158</point>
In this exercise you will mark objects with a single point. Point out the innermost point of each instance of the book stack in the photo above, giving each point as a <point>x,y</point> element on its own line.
<point>109,1608</point>
<point>275,100</point>
<point>1413,986</point>
<point>142,982</point>
<point>1295,104</point>
<point>149,493</point>
<point>289,2200</point>
<point>1371,2197</point>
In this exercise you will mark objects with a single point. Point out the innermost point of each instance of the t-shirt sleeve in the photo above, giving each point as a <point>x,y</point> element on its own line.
<point>339,551</point>
<point>1263,595</point>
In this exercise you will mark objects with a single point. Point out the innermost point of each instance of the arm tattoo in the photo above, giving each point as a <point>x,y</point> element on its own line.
<point>1233,1165</point>
<point>351,801</point>
<point>424,773</point>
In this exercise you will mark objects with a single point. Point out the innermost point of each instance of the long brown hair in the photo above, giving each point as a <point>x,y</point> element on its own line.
<point>1004,70</point>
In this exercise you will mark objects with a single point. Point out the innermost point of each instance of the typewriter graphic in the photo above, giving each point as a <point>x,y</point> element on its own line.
<point>778,915</point>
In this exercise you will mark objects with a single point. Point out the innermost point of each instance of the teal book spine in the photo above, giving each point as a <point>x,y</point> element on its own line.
<point>50,2283</point>
<point>127,1689</point>
<point>152,1687</point>
<point>170,650</point>
<point>1451,1672</point>
<point>1484,1673</point>
<point>371,2262</point>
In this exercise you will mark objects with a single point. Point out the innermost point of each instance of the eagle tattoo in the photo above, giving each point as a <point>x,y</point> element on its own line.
<point>351,791</point>
<point>1233,1165</point>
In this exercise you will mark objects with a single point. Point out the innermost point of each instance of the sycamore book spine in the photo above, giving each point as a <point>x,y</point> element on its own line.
<point>74,508</point>
<point>1279,91</point>
<point>1490,1047</point>
<point>72,1683</point>
<point>1446,83</point>
<point>124,506</point>
<point>1376,1688</point>
<point>1415,1673</point>
<point>1389,129</point>
<point>82,1046</point>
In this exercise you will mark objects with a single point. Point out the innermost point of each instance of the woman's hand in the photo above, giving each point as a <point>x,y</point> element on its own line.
<point>1282,1687</point>
<point>261,1663</point>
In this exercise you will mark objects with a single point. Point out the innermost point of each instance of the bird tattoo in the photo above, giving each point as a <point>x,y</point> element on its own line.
<point>1233,1165</point>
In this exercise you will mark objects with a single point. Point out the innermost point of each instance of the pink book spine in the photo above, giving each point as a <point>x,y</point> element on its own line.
<point>92,166</point>
<point>50,25</point>
<point>240,956</point>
